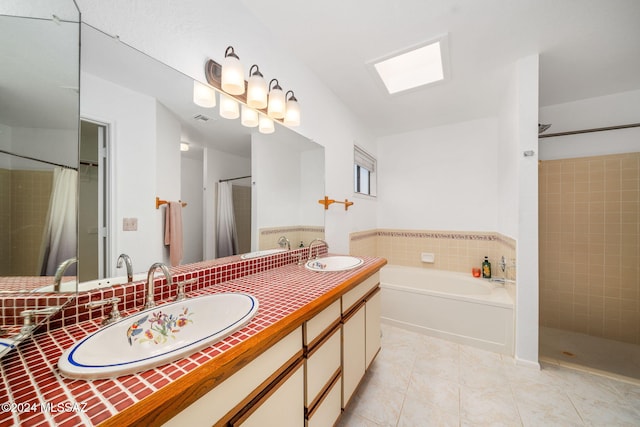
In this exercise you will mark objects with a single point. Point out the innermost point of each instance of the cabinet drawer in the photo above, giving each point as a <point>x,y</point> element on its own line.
<point>322,364</point>
<point>356,294</point>
<point>282,408</point>
<point>211,407</point>
<point>329,409</point>
<point>320,323</point>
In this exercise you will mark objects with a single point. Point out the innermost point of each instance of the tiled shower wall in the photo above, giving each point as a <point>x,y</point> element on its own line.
<point>590,245</point>
<point>29,192</point>
<point>453,250</point>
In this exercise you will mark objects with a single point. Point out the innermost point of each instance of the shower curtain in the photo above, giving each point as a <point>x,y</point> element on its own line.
<point>60,231</point>
<point>226,234</point>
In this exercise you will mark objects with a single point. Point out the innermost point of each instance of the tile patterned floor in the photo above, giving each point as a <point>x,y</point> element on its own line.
<point>422,381</point>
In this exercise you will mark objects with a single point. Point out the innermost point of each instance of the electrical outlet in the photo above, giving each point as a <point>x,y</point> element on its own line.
<point>130,224</point>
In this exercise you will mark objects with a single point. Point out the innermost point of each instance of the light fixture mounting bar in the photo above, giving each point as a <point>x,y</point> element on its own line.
<point>213,74</point>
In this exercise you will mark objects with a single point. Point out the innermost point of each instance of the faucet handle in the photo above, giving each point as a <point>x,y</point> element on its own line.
<point>181,296</point>
<point>114,315</point>
<point>28,315</point>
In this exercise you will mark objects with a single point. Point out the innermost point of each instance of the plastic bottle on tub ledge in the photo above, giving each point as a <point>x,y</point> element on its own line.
<point>486,268</point>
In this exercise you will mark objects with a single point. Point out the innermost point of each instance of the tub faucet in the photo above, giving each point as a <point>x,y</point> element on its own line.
<point>284,242</point>
<point>127,261</point>
<point>150,303</point>
<point>57,278</point>
<point>319,241</point>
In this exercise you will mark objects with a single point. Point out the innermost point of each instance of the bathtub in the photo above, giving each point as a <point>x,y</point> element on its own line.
<point>449,305</point>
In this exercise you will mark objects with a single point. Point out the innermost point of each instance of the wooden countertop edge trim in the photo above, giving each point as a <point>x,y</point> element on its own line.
<point>164,404</point>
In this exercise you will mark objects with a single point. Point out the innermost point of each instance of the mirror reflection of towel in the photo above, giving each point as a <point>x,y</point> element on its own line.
<point>173,232</point>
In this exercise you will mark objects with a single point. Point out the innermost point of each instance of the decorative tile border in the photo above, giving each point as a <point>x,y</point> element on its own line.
<point>437,235</point>
<point>426,235</point>
<point>292,229</point>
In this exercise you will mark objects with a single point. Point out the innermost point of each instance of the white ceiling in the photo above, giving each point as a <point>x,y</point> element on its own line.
<point>587,48</point>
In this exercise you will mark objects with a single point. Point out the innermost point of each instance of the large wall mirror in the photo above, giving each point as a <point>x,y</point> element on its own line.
<point>39,107</point>
<point>138,113</point>
<point>135,113</point>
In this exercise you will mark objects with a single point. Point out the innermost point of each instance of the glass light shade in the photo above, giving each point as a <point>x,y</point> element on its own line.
<point>266,125</point>
<point>292,115</point>
<point>184,146</point>
<point>232,75</point>
<point>257,92</point>
<point>229,108</point>
<point>249,117</point>
<point>203,95</point>
<point>276,107</point>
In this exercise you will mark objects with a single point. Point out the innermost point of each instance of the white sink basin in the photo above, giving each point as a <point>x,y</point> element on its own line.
<point>264,252</point>
<point>6,345</point>
<point>334,263</point>
<point>157,336</point>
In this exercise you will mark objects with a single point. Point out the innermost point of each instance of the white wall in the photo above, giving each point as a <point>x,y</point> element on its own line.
<point>166,34</point>
<point>131,118</point>
<point>508,150</point>
<point>442,178</point>
<point>168,130</point>
<point>311,187</point>
<point>55,145</point>
<point>527,231</point>
<point>604,111</point>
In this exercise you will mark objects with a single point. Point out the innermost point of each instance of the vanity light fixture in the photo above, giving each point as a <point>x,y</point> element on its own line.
<point>266,125</point>
<point>203,95</point>
<point>256,89</point>
<point>249,117</point>
<point>276,106</point>
<point>260,99</point>
<point>232,73</point>
<point>229,108</point>
<point>292,114</point>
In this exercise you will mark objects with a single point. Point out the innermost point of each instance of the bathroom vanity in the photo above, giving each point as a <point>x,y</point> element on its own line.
<point>298,361</point>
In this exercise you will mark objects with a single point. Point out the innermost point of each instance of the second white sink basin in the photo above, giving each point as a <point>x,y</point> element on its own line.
<point>258,254</point>
<point>334,263</point>
<point>157,336</point>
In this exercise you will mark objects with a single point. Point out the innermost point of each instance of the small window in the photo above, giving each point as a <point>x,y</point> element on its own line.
<point>364,172</point>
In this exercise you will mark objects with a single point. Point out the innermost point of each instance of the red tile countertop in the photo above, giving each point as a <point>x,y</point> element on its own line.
<point>34,393</point>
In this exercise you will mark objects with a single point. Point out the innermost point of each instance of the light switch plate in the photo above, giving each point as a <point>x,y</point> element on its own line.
<point>130,224</point>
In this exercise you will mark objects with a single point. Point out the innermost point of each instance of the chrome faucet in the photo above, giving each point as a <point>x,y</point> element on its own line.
<point>505,271</point>
<point>319,241</point>
<point>284,242</point>
<point>150,303</point>
<point>57,278</point>
<point>127,261</point>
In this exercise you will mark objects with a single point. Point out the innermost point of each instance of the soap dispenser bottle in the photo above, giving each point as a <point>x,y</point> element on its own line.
<point>486,268</point>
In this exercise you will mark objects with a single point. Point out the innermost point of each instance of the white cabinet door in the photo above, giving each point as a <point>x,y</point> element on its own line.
<point>353,353</point>
<point>321,366</point>
<point>372,327</point>
<point>283,408</point>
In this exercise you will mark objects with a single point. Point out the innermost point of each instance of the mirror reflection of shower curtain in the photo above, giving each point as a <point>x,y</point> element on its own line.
<point>59,238</point>
<point>226,234</point>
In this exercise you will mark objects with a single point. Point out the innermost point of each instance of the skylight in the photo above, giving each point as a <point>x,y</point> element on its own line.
<point>412,69</point>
